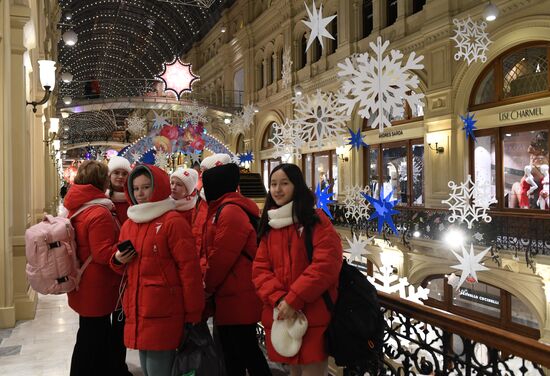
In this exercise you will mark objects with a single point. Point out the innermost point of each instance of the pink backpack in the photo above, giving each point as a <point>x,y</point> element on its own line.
<point>50,247</point>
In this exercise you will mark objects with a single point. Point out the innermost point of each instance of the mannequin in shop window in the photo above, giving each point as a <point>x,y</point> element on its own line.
<point>545,191</point>
<point>538,156</point>
<point>528,187</point>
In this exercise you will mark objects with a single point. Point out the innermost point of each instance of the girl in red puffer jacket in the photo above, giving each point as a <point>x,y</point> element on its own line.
<point>96,231</point>
<point>284,277</point>
<point>164,289</point>
<point>183,184</point>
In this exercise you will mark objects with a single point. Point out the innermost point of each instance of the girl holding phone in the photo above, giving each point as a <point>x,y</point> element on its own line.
<point>164,289</point>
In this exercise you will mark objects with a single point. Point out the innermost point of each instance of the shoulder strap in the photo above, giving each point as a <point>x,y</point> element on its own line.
<point>250,218</point>
<point>308,238</point>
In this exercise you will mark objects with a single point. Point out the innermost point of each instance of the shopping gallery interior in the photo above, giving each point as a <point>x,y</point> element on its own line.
<point>422,127</point>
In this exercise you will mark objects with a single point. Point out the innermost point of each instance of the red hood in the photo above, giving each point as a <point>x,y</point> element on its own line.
<point>235,197</point>
<point>161,183</point>
<point>79,194</point>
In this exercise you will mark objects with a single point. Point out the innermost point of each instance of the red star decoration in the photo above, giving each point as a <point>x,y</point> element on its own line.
<point>178,77</point>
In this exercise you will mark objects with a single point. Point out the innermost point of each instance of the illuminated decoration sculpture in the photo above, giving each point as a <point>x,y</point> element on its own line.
<point>178,77</point>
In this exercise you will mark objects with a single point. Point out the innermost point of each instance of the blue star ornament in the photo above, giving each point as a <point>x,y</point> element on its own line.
<point>469,126</point>
<point>356,140</point>
<point>323,199</point>
<point>383,210</point>
<point>246,157</point>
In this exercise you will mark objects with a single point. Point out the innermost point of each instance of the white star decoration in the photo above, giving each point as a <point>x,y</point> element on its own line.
<point>468,203</point>
<point>135,156</point>
<point>471,39</point>
<point>357,247</point>
<point>178,77</point>
<point>317,24</point>
<point>469,264</point>
<point>319,116</point>
<point>159,121</point>
<point>356,205</point>
<point>380,84</point>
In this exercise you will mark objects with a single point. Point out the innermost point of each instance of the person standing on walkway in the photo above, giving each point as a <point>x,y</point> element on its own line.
<point>229,246</point>
<point>283,275</point>
<point>183,184</point>
<point>164,289</point>
<point>96,229</point>
<point>119,168</point>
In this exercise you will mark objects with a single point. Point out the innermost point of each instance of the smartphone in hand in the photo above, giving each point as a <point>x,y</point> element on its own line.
<point>126,247</point>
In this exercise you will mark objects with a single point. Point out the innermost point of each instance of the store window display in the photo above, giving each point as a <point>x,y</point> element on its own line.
<point>321,168</point>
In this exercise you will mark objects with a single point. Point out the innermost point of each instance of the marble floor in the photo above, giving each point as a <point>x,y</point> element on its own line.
<point>43,346</point>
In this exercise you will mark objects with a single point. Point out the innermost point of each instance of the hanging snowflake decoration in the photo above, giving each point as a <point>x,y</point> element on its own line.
<point>386,281</point>
<point>159,121</point>
<point>286,72</point>
<point>161,159</point>
<point>195,114</point>
<point>136,156</point>
<point>194,157</point>
<point>472,41</point>
<point>317,24</point>
<point>178,77</point>
<point>469,202</point>
<point>287,140</point>
<point>319,116</point>
<point>357,207</point>
<point>380,84</point>
<point>356,140</point>
<point>136,126</point>
<point>469,127</point>
<point>470,263</point>
<point>323,199</point>
<point>242,120</point>
<point>383,210</point>
<point>357,247</point>
<point>243,158</point>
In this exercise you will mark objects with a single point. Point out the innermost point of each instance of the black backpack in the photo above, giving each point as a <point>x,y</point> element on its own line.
<point>355,334</point>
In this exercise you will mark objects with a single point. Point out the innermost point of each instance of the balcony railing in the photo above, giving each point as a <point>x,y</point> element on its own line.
<point>526,236</point>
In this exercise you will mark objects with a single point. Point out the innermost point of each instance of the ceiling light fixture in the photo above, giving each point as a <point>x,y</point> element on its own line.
<point>67,100</point>
<point>66,77</point>
<point>491,12</point>
<point>223,29</point>
<point>70,38</point>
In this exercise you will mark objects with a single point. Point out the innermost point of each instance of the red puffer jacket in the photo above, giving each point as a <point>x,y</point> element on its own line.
<point>228,273</point>
<point>199,218</point>
<point>282,269</point>
<point>164,288</point>
<point>96,233</point>
<point>121,211</point>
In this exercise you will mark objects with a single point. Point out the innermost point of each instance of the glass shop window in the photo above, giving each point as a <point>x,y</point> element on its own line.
<point>267,166</point>
<point>484,155</point>
<point>478,297</point>
<point>521,314</point>
<point>321,168</point>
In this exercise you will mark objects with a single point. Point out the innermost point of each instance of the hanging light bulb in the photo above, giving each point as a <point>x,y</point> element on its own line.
<point>491,12</point>
<point>67,100</point>
<point>66,77</point>
<point>70,38</point>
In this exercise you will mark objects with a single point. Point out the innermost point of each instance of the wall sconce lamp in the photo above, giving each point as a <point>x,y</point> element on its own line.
<point>340,152</point>
<point>54,129</point>
<point>437,149</point>
<point>298,91</point>
<point>47,80</point>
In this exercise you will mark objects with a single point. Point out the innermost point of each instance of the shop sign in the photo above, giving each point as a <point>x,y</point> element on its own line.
<point>479,297</point>
<point>392,133</point>
<point>520,114</point>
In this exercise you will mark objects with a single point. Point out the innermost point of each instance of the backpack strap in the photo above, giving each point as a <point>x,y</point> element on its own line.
<point>251,218</point>
<point>308,238</point>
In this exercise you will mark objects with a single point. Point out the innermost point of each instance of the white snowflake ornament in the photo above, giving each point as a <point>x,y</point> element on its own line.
<point>380,84</point>
<point>356,205</point>
<point>135,156</point>
<point>471,39</point>
<point>386,281</point>
<point>466,203</point>
<point>287,140</point>
<point>357,247</point>
<point>161,159</point>
<point>242,120</point>
<point>317,24</point>
<point>470,263</point>
<point>286,72</point>
<point>136,125</point>
<point>320,117</point>
<point>159,121</point>
<point>195,114</point>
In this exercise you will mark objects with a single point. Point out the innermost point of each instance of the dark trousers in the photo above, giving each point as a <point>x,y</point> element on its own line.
<point>241,351</point>
<point>99,348</point>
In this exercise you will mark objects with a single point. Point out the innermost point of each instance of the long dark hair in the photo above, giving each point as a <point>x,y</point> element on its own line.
<point>303,198</point>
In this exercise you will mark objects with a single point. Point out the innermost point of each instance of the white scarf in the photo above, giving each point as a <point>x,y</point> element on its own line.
<point>146,212</point>
<point>281,217</point>
<point>117,196</point>
<point>186,203</point>
<point>203,196</point>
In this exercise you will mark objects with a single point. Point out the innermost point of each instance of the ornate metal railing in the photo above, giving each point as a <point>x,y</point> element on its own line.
<point>522,234</point>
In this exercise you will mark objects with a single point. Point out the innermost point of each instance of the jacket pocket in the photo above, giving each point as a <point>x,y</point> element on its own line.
<point>155,301</point>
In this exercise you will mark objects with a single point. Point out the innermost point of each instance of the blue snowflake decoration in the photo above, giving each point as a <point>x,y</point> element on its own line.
<point>356,140</point>
<point>383,210</point>
<point>323,199</point>
<point>246,157</point>
<point>469,126</point>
